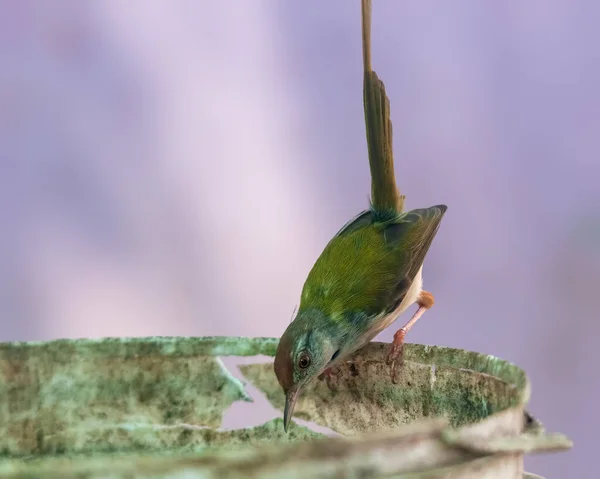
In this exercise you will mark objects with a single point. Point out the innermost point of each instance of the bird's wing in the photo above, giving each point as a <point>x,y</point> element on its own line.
<point>360,220</point>
<point>369,265</point>
<point>410,238</point>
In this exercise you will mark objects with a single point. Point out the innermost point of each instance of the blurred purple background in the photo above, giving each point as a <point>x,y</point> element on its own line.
<point>176,167</point>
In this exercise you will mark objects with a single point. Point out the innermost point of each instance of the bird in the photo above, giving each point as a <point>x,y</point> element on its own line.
<point>369,273</point>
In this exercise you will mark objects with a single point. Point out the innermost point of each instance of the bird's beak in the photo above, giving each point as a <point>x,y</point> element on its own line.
<point>290,403</point>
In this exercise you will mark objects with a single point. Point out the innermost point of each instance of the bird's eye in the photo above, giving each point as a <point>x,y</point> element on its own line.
<point>303,361</point>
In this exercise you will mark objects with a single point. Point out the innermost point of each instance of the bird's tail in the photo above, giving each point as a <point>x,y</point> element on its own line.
<point>385,197</point>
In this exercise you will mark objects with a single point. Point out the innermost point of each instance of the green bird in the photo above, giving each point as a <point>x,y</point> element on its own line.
<point>370,271</point>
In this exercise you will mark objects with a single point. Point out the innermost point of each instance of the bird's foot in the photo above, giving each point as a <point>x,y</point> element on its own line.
<point>330,376</point>
<point>354,365</point>
<point>395,355</point>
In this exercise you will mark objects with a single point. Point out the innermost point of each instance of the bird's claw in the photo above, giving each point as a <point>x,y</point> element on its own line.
<point>394,363</point>
<point>329,376</point>
<point>395,355</point>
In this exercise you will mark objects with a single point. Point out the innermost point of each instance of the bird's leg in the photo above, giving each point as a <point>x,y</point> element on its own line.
<point>425,302</point>
<point>329,375</point>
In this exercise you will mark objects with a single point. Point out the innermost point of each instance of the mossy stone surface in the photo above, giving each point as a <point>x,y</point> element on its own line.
<point>461,386</point>
<point>152,407</point>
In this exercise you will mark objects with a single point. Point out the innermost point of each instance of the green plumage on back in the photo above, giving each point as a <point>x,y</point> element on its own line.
<point>369,265</point>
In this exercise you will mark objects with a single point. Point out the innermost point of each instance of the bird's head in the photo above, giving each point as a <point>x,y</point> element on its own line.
<point>304,352</point>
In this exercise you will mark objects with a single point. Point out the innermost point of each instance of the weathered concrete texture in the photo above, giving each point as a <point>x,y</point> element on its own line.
<point>418,451</point>
<point>171,444</point>
<point>461,386</point>
<point>151,407</point>
<point>75,396</point>
<point>65,350</point>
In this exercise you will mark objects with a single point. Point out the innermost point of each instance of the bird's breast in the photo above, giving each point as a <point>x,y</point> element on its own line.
<point>384,321</point>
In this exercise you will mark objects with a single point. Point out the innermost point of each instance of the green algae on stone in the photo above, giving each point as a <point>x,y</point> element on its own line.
<point>458,385</point>
<point>151,407</point>
<point>417,451</point>
<point>66,350</point>
<point>315,458</point>
<point>175,441</point>
<point>49,406</point>
<point>466,396</point>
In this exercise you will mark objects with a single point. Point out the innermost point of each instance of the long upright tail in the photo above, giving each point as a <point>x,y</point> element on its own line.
<point>385,197</point>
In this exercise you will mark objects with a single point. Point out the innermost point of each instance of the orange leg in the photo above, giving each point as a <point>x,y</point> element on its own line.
<point>425,302</point>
